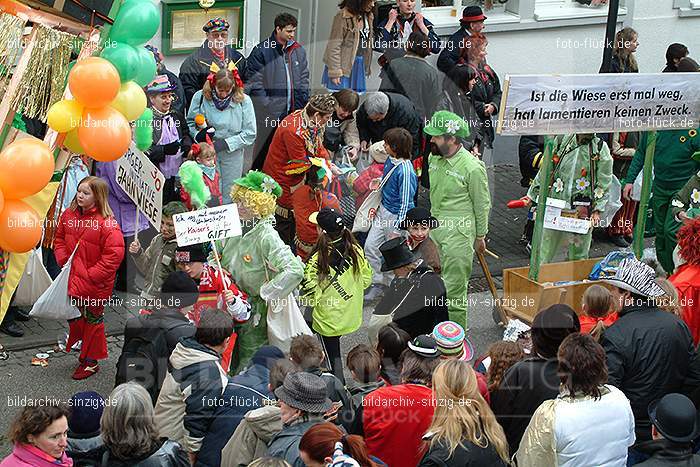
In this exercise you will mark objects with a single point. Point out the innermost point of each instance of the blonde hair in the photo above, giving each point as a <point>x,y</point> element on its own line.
<point>462,413</point>
<point>205,149</point>
<point>224,78</point>
<point>598,300</point>
<point>669,301</point>
<point>262,204</point>
<point>100,190</point>
<point>625,36</point>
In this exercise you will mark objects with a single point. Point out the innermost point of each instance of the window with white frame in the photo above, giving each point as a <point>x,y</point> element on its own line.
<point>566,9</point>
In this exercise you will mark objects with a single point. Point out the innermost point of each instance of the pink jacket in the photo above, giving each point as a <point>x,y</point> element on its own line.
<point>22,456</point>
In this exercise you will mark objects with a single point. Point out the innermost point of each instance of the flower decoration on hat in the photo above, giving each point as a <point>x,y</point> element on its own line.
<point>598,193</point>
<point>268,185</point>
<point>559,185</point>
<point>582,184</point>
<point>452,127</point>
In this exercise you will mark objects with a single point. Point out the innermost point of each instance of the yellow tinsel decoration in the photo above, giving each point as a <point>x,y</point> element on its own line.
<point>11,29</point>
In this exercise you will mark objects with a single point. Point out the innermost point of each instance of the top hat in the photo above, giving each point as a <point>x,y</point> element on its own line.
<point>396,254</point>
<point>472,14</point>
<point>675,417</point>
<point>419,216</point>
<point>304,391</point>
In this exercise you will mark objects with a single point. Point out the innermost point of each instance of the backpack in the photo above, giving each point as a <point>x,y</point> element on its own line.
<point>144,357</point>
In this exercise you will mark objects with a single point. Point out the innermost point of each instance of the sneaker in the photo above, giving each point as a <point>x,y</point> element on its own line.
<point>85,370</point>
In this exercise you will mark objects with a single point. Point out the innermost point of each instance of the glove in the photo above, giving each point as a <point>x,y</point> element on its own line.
<point>171,149</point>
<point>156,154</point>
<point>220,145</point>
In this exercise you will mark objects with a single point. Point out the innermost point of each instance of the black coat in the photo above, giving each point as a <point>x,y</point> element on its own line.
<point>451,53</point>
<point>467,455</point>
<point>168,454</point>
<point>195,69</point>
<point>418,301</point>
<point>416,79</point>
<point>402,113</point>
<point>666,453</point>
<point>649,352</point>
<point>487,90</point>
<point>175,324</point>
<point>524,387</point>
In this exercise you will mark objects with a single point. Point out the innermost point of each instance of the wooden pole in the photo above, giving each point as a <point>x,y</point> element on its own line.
<point>638,245</point>
<point>546,170</point>
<point>218,264</point>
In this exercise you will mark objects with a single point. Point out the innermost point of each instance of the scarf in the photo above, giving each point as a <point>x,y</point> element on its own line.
<point>221,104</point>
<point>209,172</point>
<point>313,137</point>
<point>64,461</point>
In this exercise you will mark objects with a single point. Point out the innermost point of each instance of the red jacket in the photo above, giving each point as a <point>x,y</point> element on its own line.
<point>687,281</point>
<point>394,420</point>
<point>98,257</point>
<point>287,145</point>
<point>305,202</point>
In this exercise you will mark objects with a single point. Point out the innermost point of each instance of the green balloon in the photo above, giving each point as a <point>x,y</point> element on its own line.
<point>143,131</point>
<point>146,70</point>
<point>124,57</point>
<point>136,23</point>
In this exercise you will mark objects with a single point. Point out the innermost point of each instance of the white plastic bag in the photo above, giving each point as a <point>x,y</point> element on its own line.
<point>34,282</point>
<point>285,321</point>
<point>55,303</point>
<point>637,186</point>
<point>614,202</point>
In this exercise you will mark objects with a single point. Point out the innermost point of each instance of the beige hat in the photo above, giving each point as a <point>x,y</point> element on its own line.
<point>378,153</point>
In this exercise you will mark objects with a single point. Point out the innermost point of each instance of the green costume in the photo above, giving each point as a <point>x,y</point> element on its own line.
<point>460,200</point>
<point>264,268</point>
<point>688,198</point>
<point>673,166</point>
<point>576,178</point>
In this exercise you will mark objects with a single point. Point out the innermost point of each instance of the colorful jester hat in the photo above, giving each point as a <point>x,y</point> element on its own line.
<point>193,183</point>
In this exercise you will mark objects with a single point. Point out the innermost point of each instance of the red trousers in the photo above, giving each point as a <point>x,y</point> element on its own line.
<point>90,328</point>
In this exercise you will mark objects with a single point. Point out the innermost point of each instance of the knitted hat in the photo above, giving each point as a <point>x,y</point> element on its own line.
<point>86,411</point>
<point>266,356</point>
<point>452,342</point>
<point>378,153</point>
<point>190,254</point>
<point>304,391</point>
<point>444,122</point>
<point>323,103</point>
<point>179,290</point>
<point>328,219</point>
<point>424,346</point>
<point>216,24</point>
<point>161,83</point>
<point>551,326</point>
<point>636,277</point>
<point>261,182</point>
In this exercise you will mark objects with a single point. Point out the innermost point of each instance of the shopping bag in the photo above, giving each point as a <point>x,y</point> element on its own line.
<point>34,282</point>
<point>614,203</point>
<point>285,321</point>
<point>369,207</point>
<point>55,303</point>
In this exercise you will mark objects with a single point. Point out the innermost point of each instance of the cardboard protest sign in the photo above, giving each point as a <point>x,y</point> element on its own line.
<point>561,104</point>
<point>207,225</point>
<point>143,182</point>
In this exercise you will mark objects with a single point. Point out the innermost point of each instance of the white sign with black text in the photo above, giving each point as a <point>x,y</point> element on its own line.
<point>206,225</point>
<point>143,182</point>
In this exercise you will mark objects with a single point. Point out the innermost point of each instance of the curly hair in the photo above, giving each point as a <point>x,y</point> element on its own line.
<point>35,418</point>
<point>262,204</point>
<point>689,241</point>
<point>503,355</point>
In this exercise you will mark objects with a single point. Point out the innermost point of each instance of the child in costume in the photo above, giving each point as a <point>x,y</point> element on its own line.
<point>419,223</point>
<point>216,290</point>
<point>307,199</point>
<point>205,157</point>
<point>260,263</point>
<point>581,176</point>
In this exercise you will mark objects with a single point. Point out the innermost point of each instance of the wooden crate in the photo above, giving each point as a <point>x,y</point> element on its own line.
<point>524,298</point>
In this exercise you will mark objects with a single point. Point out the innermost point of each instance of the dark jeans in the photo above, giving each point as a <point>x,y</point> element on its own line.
<point>332,346</point>
<point>126,274</point>
<point>286,228</point>
<point>265,134</point>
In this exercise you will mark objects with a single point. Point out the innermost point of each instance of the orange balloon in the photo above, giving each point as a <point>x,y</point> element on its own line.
<point>94,82</point>
<point>105,134</point>
<point>20,227</point>
<point>2,201</point>
<point>26,166</point>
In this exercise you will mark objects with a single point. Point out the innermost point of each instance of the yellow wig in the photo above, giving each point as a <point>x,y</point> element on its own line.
<point>262,204</point>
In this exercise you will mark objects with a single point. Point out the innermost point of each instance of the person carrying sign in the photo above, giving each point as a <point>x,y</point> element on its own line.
<point>673,167</point>
<point>259,261</point>
<point>581,177</point>
<point>460,200</point>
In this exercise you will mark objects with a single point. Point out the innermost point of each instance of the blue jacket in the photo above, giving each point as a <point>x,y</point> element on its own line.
<point>277,79</point>
<point>399,191</point>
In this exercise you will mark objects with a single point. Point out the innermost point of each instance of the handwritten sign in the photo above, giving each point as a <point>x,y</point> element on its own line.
<point>561,104</point>
<point>143,182</point>
<point>553,220</point>
<point>207,225</point>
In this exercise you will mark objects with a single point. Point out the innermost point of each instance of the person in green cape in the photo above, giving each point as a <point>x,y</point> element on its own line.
<point>260,263</point>
<point>460,200</point>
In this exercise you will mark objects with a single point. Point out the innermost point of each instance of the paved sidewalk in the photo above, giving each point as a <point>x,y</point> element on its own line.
<point>506,227</point>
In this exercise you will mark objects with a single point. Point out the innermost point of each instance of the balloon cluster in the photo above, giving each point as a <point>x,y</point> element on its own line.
<point>108,89</point>
<point>26,167</point>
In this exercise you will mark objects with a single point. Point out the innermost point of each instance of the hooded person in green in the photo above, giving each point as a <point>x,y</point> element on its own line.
<point>673,167</point>
<point>461,202</point>
<point>259,261</point>
<point>581,176</point>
